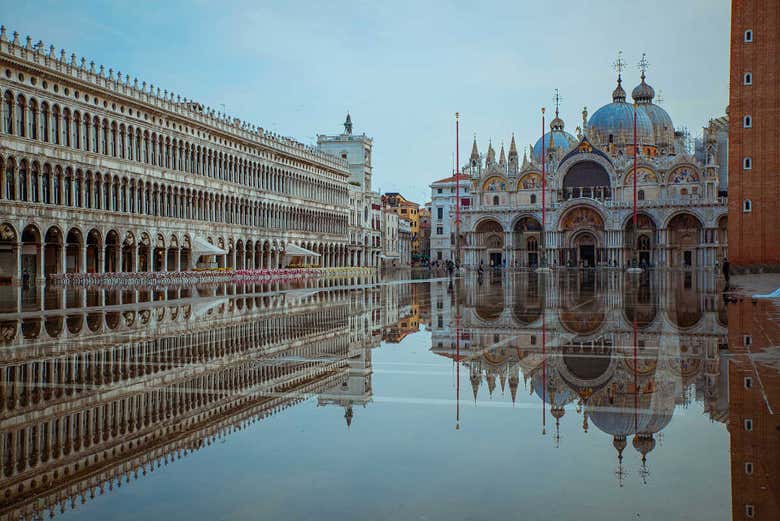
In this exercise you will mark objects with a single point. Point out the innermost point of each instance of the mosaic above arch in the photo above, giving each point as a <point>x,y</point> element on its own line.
<point>530,182</point>
<point>494,184</point>
<point>683,174</point>
<point>582,217</point>
<point>644,176</point>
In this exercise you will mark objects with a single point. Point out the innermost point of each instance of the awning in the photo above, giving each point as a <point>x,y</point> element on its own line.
<point>203,247</point>
<point>297,251</point>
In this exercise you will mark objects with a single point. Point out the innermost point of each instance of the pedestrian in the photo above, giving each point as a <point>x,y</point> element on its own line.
<point>726,273</point>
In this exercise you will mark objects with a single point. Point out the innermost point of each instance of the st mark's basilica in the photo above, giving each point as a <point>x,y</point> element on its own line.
<point>682,209</point>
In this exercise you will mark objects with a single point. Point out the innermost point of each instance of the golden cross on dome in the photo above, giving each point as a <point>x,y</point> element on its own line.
<point>557,100</point>
<point>643,64</point>
<point>619,64</point>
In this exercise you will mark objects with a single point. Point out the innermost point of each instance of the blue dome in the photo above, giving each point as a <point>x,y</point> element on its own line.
<point>663,128</point>
<point>617,120</point>
<point>560,396</point>
<point>561,139</point>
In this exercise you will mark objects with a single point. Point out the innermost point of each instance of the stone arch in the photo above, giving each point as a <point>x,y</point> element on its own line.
<point>684,236</point>
<point>587,178</point>
<point>8,246</point>
<point>32,253</point>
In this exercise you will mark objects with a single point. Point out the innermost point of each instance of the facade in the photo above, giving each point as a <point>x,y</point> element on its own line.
<point>407,210</point>
<point>682,220</point>
<point>405,242</point>
<point>365,206</point>
<point>391,247</point>
<point>425,232</point>
<point>754,155</point>
<point>100,173</point>
<point>443,201</point>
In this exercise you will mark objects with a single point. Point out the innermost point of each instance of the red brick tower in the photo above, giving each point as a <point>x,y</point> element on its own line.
<point>754,136</point>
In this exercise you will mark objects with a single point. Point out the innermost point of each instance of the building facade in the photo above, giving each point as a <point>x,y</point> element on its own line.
<point>407,210</point>
<point>682,220</point>
<point>391,248</point>
<point>100,173</point>
<point>365,220</point>
<point>754,155</point>
<point>405,242</point>
<point>443,210</point>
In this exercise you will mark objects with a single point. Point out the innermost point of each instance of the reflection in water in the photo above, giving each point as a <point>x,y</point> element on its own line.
<point>100,388</point>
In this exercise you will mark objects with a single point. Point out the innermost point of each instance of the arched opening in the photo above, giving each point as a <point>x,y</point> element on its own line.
<point>93,251</point>
<point>8,246</point>
<point>31,255</point>
<point>587,179</point>
<point>640,244</point>
<point>684,238</point>
<point>128,253</point>
<point>112,252</point>
<point>583,229</point>
<point>159,254</point>
<point>489,238</point>
<point>144,253</point>
<point>73,251</point>
<point>527,238</point>
<point>53,251</point>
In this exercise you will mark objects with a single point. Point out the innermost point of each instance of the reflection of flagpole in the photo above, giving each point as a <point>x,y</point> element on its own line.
<point>457,189</point>
<point>636,369</point>
<point>544,372</point>
<point>457,356</point>
<point>544,200</point>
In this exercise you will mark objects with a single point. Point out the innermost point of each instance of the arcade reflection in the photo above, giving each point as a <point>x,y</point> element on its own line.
<point>99,388</point>
<point>624,353</point>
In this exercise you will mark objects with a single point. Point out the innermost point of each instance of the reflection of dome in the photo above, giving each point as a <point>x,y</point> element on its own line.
<point>614,123</point>
<point>587,365</point>
<point>558,394</point>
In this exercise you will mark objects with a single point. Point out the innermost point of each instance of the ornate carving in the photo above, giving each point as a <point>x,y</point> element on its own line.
<point>644,176</point>
<point>683,174</point>
<point>531,181</point>
<point>582,217</point>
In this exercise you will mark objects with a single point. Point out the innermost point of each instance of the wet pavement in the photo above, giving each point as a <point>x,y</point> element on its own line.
<point>582,395</point>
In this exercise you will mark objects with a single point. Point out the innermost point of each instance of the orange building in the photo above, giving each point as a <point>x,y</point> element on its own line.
<point>754,140</point>
<point>407,210</point>
<point>754,410</point>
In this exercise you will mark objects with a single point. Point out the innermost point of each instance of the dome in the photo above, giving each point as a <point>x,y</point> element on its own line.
<point>614,123</point>
<point>558,394</point>
<point>663,128</point>
<point>643,93</point>
<point>561,139</point>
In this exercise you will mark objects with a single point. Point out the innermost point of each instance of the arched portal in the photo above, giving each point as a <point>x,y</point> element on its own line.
<point>583,237</point>
<point>684,233</point>
<point>93,251</point>
<point>113,249</point>
<point>640,244</point>
<point>8,247</point>
<point>74,243</point>
<point>31,254</point>
<point>489,239</point>
<point>527,238</point>
<point>53,251</point>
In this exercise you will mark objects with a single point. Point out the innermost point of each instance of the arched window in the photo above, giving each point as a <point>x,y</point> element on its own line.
<point>748,78</point>
<point>10,184</point>
<point>56,185</point>
<point>8,110</point>
<point>495,200</point>
<point>96,135</point>
<point>747,163</point>
<point>20,116</point>
<point>44,122</point>
<point>643,242</point>
<point>533,198</point>
<point>748,36</point>
<point>747,121</point>
<point>32,119</point>
<point>55,125</point>
<point>747,206</point>
<point>640,195</point>
<point>45,181</point>
<point>34,177</point>
<point>23,181</point>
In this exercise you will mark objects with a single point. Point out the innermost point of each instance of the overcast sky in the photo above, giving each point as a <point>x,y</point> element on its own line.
<point>400,68</point>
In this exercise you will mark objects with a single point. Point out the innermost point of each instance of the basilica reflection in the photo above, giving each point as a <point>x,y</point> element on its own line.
<point>624,353</point>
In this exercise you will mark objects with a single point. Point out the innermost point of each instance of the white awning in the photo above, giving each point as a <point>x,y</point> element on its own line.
<point>203,247</point>
<point>296,251</point>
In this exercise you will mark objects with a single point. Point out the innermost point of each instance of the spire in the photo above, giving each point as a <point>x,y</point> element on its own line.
<point>513,382</point>
<point>474,153</point>
<point>619,95</point>
<point>502,156</point>
<point>348,125</point>
<point>348,416</point>
<point>584,120</point>
<point>491,154</point>
<point>512,148</point>
<point>643,93</point>
<point>491,381</point>
<point>475,381</point>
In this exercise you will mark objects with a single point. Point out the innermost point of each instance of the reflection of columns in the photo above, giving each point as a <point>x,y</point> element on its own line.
<point>82,258</point>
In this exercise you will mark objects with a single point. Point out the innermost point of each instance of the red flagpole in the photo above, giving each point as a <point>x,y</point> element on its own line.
<point>544,200</point>
<point>457,188</point>
<point>635,217</point>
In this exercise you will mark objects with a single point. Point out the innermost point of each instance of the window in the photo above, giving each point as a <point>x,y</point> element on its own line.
<point>640,195</point>
<point>748,468</point>
<point>438,255</point>
<point>748,78</point>
<point>533,198</point>
<point>748,382</point>
<point>495,200</point>
<point>747,340</point>
<point>439,230</point>
<point>747,163</point>
<point>748,36</point>
<point>748,424</point>
<point>747,122</point>
<point>440,213</point>
<point>747,206</point>
<point>438,190</point>
<point>749,511</point>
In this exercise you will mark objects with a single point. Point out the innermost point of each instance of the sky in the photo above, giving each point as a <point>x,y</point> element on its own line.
<point>402,69</point>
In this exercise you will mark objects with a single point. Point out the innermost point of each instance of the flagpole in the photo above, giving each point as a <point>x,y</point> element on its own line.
<point>457,189</point>
<point>543,264</point>
<point>634,268</point>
